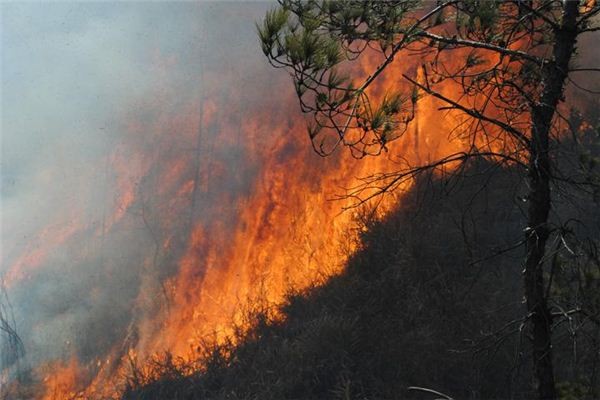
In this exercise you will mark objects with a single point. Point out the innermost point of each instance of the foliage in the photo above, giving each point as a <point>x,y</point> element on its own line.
<point>405,312</point>
<point>502,45</point>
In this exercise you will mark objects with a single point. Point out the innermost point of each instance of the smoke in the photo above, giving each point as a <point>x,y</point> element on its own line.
<point>99,102</point>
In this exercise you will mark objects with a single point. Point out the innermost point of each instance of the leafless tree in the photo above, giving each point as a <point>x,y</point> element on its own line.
<point>11,345</point>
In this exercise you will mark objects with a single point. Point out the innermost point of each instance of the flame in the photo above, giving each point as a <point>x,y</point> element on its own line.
<point>284,233</point>
<point>60,379</point>
<point>37,251</point>
<point>242,225</point>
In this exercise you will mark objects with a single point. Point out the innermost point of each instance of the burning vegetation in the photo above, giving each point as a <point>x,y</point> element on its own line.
<point>441,234</point>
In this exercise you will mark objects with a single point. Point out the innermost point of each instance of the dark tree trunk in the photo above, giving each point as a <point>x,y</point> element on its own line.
<point>554,75</point>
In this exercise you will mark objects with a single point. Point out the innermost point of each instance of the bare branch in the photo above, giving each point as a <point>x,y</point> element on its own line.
<point>430,391</point>
<point>473,113</point>
<point>481,45</point>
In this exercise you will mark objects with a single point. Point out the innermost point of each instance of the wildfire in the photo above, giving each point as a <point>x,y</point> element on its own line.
<point>235,208</point>
<point>60,379</point>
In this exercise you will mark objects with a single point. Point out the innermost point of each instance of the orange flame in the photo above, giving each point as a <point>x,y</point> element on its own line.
<point>276,233</point>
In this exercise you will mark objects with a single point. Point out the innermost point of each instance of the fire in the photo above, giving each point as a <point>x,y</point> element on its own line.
<point>235,207</point>
<point>47,240</point>
<point>287,235</point>
<point>60,379</point>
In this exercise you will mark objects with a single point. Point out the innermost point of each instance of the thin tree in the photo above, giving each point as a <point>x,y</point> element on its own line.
<point>506,65</point>
<point>11,345</point>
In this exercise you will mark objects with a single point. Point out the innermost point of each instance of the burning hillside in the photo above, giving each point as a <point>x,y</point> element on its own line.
<point>195,197</point>
<point>157,185</point>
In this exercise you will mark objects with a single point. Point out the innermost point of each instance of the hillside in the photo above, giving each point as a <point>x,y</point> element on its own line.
<point>422,302</point>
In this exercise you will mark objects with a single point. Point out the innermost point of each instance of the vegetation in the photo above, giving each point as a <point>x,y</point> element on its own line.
<point>11,346</point>
<point>423,302</point>
<point>506,65</point>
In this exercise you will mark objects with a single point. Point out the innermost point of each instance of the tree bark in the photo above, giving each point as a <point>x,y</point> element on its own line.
<point>554,75</point>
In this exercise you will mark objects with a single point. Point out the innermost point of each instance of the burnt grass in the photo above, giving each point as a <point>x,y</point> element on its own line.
<point>425,300</point>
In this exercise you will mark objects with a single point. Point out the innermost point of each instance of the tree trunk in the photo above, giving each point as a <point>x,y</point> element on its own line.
<point>554,75</point>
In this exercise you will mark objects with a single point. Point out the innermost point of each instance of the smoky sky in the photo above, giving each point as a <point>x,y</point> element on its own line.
<point>71,73</point>
<point>69,70</point>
